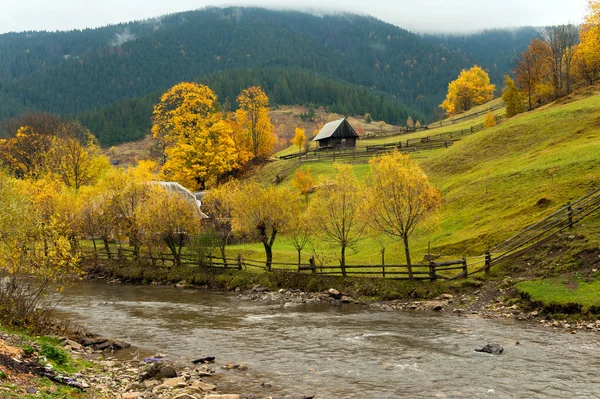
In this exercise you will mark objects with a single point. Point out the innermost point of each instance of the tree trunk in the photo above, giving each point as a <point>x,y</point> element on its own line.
<point>173,250</point>
<point>299,257</point>
<point>106,247</point>
<point>343,260</point>
<point>407,252</point>
<point>222,247</point>
<point>269,254</point>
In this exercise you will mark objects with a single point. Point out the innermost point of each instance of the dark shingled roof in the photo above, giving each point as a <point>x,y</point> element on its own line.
<point>336,129</point>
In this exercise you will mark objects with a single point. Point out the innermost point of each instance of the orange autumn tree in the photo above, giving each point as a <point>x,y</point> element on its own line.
<point>198,142</point>
<point>254,121</point>
<point>472,87</point>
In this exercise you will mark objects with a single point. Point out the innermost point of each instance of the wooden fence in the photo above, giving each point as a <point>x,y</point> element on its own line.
<point>431,271</point>
<point>434,125</point>
<point>526,240</point>
<point>413,145</point>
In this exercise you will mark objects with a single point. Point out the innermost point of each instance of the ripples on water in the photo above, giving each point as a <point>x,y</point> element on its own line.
<point>343,351</point>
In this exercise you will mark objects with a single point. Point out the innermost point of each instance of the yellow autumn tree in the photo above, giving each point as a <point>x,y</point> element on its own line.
<point>337,210</point>
<point>264,213</point>
<point>400,198</point>
<point>254,121</point>
<point>490,120</point>
<point>167,218</point>
<point>299,138</point>
<point>35,249</point>
<point>304,182</point>
<point>25,155</point>
<point>198,143</point>
<point>472,87</point>
<point>76,157</point>
<point>587,56</point>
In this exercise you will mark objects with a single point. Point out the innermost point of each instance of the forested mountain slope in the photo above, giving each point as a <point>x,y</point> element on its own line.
<point>354,64</point>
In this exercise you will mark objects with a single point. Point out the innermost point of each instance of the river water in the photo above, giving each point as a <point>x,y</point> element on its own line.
<point>343,351</point>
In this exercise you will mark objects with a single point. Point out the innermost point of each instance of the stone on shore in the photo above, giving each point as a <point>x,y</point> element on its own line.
<point>335,294</point>
<point>203,386</point>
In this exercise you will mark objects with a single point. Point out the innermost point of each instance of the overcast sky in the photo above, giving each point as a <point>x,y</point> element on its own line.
<point>414,15</point>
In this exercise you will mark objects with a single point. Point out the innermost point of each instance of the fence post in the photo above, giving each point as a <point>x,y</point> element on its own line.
<point>383,261</point>
<point>313,267</point>
<point>239,261</point>
<point>464,265</point>
<point>488,261</point>
<point>210,261</point>
<point>570,214</point>
<point>432,271</point>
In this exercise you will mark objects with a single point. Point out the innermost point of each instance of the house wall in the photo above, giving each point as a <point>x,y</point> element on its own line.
<point>338,142</point>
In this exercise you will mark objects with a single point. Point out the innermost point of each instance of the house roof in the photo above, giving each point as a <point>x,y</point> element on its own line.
<point>332,129</point>
<point>174,187</point>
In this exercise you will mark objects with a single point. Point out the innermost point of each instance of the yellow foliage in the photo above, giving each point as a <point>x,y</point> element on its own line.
<point>336,211</point>
<point>25,155</point>
<point>588,51</point>
<point>264,213</point>
<point>490,120</point>
<point>304,181</point>
<point>254,121</point>
<point>472,87</point>
<point>34,239</point>
<point>166,219</point>
<point>198,142</point>
<point>400,197</point>
<point>299,138</point>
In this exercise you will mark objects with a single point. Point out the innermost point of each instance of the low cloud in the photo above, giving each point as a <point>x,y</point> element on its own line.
<point>123,37</point>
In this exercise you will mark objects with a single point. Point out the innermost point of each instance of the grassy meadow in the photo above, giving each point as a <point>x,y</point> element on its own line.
<point>494,182</point>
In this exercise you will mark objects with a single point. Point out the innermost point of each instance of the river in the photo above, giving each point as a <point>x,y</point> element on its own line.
<point>347,351</point>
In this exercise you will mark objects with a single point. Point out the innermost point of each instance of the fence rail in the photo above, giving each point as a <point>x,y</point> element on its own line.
<point>431,271</point>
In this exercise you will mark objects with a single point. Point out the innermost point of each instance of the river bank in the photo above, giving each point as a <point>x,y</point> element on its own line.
<point>60,367</point>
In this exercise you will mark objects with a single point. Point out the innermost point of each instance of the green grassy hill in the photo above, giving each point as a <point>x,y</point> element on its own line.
<point>494,182</point>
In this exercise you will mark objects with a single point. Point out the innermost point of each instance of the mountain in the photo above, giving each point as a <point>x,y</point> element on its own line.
<point>110,77</point>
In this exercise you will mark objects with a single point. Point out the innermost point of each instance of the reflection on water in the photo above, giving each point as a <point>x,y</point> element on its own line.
<point>343,351</point>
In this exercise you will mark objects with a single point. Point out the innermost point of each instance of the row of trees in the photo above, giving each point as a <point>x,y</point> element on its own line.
<point>396,200</point>
<point>44,145</point>
<point>201,142</point>
<point>562,57</point>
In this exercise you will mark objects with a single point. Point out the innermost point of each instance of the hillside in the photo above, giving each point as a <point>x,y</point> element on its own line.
<point>109,77</point>
<point>494,182</point>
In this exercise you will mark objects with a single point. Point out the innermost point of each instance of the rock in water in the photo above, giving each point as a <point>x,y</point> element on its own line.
<point>204,359</point>
<point>494,349</point>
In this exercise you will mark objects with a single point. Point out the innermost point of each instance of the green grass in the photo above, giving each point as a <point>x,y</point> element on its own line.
<point>561,292</point>
<point>491,181</point>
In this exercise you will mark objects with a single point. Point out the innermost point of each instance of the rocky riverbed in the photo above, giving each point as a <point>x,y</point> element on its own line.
<point>108,375</point>
<point>488,302</point>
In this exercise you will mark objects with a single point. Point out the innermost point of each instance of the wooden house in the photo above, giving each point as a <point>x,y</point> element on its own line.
<point>337,134</point>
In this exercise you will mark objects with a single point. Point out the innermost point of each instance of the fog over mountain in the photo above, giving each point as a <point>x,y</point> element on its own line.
<point>423,16</point>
